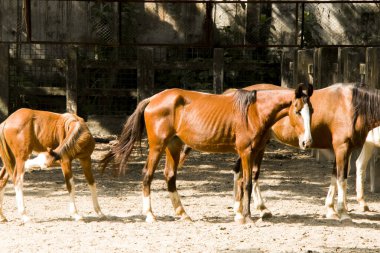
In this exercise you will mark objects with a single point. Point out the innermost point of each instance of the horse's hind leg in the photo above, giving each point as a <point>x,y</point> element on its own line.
<point>155,152</point>
<point>86,166</point>
<point>173,151</point>
<point>4,176</point>
<point>69,180</point>
<point>258,200</point>
<point>18,179</point>
<point>361,167</point>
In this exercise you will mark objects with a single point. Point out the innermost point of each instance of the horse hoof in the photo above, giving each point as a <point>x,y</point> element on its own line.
<point>332,216</point>
<point>345,217</point>
<point>248,220</point>
<point>101,216</point>
<point>365,208</point>
<point>77,217</point>
<point>150,219</point>
<point>186,218</point>
<point>25,219</point>
<point>3,219</point>
<point>266,214</point>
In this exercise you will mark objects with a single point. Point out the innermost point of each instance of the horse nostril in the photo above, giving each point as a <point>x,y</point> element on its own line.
<point>303,143</point>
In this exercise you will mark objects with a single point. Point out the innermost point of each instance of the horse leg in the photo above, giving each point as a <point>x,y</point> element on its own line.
<point>69,180</point>
<point>361,167</point>
<point>86,166</point>
<point>172,156</point>
<point>342,158</point>
<point>238,187</point>
<point>184,153</point>
<point>246,162</point>
<point>257,198</point>
<point>155,152</point>
<point>18,179</point>
<point>4,176</point>
<point>329,203</point>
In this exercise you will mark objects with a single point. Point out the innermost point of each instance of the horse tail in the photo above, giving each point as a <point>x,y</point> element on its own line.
<point>132,131</point>
<point>6,155</point>
<point>72,133</point>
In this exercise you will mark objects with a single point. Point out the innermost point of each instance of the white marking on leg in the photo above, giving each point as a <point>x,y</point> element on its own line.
<point>147,209</point>
<point>20,199</point>
<point>361,167</point>
<point>95,202</point>
<point>341,206</point>
<point>72,207</point>
<point>329,203</point>
<point>178,207</point>
<point>259,201</point>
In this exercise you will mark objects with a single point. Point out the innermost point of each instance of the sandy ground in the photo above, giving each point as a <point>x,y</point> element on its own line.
<point>293,184</point>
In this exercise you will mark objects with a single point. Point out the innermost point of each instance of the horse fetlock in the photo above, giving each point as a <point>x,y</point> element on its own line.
<point>25,218</point>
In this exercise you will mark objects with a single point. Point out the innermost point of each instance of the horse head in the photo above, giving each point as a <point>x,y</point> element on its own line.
<point>300,114</point>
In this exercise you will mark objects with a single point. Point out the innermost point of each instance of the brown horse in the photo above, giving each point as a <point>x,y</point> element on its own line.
<point>57,138</point>
<point>342,117</point>
<point>237,123</point>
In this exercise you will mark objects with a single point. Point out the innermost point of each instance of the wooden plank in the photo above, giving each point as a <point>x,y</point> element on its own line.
<point>288,67</point>
<point>39,91</point>
<point>326,67</point>
<point>72,81</point>
<point>218,70</point>
<point>305,58</point>
<point>349,64</point>
<point>4,81</point>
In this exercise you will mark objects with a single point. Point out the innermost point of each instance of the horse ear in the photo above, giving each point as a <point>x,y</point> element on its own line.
<point>299,93</point>
<point>310,90</point>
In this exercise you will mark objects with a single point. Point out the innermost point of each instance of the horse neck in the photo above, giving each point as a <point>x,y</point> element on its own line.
<point>273,105</point>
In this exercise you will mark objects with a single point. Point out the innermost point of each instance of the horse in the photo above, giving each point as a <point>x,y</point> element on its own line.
<point>231,123</point>
<point>342,131</point>
<point>58,138</point>
<point>372,140</point>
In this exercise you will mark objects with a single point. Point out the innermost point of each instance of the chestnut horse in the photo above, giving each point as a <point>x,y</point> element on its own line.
<point>238,122</point>
<point>57,138</point>
<point>355,114</point>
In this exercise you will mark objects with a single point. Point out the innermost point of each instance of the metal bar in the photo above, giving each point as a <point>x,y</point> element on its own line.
<point>226,1</point>
<point>302,23</point>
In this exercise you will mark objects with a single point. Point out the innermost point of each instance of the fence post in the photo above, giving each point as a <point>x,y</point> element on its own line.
<point>72,81</point>
<point>373,80</point>
<point>4,81</point>
<point>145,73</point>
<point>218,70</point>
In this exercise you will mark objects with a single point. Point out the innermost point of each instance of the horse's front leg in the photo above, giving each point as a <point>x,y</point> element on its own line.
<point>18,179</point>
<point>86,166</point>
<point>69,180</point>
<point>361,167</point>
<point>258,200</point>
<point>342,158</point>
<point>329,202</point>
<point>172,157</point>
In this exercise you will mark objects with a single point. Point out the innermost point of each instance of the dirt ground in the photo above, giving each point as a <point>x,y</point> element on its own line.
<point>292,182</point>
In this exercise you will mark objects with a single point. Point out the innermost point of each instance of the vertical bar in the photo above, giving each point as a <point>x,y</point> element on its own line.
<point>145,73</point>
<point>4,81</point>
<point>372,80</point>
<point>218,70</point>
<point>296,25</point>
<point>302,23</point>
<point>72,81</point>
<point>28,21</point>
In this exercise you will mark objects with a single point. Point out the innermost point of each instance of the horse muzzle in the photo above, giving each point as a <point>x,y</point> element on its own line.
<point>305,143</point>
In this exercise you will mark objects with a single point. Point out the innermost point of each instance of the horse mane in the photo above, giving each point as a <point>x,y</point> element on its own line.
<point>72,134</point>
<point>242,100</point>
<point>366,103</point>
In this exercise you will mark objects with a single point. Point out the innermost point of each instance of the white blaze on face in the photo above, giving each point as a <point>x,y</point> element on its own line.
<point>306,137</point>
